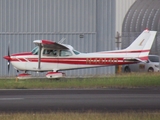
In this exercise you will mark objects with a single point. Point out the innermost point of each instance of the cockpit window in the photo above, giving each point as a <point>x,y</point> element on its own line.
<point>50,52</point>
<point>76,52</point>
<point>35,50</point>
<point>65,53</point>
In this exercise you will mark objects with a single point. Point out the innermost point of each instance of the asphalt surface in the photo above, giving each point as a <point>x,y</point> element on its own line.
<point>79,100</point>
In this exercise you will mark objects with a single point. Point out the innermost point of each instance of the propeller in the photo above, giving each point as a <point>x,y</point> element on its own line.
<point>8,60</point>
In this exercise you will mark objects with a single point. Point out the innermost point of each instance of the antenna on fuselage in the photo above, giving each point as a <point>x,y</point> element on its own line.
<point>61,41</point>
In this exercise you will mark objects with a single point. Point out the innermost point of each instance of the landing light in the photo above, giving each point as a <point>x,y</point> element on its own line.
<point>146,30</point>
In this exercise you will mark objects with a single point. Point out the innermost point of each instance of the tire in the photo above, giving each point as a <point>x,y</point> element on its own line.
<point>150,69</point>
<point>127,69</point>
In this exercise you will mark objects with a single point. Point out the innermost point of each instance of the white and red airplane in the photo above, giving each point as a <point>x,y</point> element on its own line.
<point>54,57</point>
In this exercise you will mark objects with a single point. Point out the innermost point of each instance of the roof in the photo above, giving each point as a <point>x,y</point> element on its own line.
<point>141,15</point>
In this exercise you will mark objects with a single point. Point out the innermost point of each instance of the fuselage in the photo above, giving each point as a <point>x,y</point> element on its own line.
<point>29,61</point>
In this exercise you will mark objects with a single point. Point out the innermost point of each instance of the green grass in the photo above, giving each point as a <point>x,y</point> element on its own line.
<point>113,81</point>
<point>82,116</point>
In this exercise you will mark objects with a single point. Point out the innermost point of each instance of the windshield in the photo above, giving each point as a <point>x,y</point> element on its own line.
<point>35,50</point>
<point>76,52</point>
<point>154,58</point>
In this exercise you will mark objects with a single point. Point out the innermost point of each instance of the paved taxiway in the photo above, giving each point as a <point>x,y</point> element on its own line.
<point>80,100</point>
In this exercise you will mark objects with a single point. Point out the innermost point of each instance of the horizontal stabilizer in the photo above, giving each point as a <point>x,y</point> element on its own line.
<point>133,60</point>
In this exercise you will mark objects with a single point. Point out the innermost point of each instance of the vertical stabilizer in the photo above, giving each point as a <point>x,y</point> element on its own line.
<point>142,45</point>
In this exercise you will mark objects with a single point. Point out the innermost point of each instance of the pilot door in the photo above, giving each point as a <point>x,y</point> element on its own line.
<point>49,59</point>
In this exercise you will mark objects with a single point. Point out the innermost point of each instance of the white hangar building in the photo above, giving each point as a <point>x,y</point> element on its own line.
<point>87,25</point>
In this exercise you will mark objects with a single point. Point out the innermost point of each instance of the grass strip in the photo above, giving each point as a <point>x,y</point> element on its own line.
<point>82,116</point>
<point>131,80</point>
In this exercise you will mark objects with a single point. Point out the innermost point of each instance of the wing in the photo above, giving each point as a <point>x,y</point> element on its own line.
<point>49,44</point>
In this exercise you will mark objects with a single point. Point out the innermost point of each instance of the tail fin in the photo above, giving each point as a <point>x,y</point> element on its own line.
<point>142,45</point>
<point>144,41</point>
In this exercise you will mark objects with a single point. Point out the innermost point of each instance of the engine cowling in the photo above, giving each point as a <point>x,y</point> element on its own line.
<point>55,75</point>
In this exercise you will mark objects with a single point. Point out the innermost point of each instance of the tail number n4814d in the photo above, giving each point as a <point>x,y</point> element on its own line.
<point>101,60</point>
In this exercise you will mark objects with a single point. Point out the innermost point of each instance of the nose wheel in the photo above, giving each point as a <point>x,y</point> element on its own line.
<point>23,75</point>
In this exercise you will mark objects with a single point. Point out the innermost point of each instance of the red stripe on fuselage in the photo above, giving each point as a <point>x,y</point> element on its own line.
<point>78,61</point>
<point>22,54</point>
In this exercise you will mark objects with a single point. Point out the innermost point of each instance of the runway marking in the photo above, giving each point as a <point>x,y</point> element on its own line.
<point>11,98</point>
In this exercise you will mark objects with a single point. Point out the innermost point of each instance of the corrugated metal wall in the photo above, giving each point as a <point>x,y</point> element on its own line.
<point>105,30</point>
<point>22,21</point>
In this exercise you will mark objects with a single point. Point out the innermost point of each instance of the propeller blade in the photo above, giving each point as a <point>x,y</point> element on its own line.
<point>8,51</point>
<point>8,60</point>
<point>8,66</point>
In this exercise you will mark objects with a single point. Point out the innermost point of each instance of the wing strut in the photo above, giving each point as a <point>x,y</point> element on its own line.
<point>39,57</point>
<point>61,41</point>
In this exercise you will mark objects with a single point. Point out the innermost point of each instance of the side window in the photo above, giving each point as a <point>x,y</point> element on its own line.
<point>65,53</point>
<point>55,53</point>
<point>50,52</point>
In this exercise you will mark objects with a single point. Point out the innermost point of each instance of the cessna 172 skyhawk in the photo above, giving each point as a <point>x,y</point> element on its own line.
<point>54,56</point>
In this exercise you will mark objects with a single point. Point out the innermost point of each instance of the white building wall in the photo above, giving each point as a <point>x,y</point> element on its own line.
<point>122,7</point>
